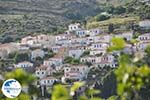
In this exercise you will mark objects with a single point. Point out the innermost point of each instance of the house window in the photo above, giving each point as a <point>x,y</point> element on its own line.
<point>48,81</point>
<point>145,38</point>
<point>107,58</point>
<point>42,72</point>
<point>38,73</point>
<point>93,60</point>
<point>67,69</point>
<point>82,60</point>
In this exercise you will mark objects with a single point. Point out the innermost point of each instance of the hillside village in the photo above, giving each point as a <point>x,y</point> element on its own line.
<point>69,57</point>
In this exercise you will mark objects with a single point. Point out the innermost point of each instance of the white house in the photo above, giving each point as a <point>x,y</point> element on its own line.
<point>37,53</point>
<point>41,71</point>
<point>64,36</point>
<point>55,48</point>
<point>77,72</point>
<point>107,61</point>
<point>94,32</point>
<point>144,37</point>
<point>44,39</point>
<point>76,52</point>
<point>81,41</point>
<point>23,47</point>
<point>91,59</point>
<point>48,81</point>
<point>81,33</point>
<point>127,35</point>
<point>105,38</point>
<point>106,64</point>
<point>39,40</point>
<point>60,37</point>
<point>74,27</point>
<point>100,38</point>
<point>24,64</point>
<point>30,40</point>
<point>99,46</point>
<point>63,42</point>
<point>54,62</point>
<point>97,52</point>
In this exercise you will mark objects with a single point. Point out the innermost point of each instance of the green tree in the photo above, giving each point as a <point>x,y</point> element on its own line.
<point>50,54</point>
<point>117,44</point>
<point>131,80</point>
<point>21,57</point>
<point>71,60</point>
<point>75,61</point>
<point>111,28</point>
<point>110,9</point>
<point>147,50</point>
<point>119,10</point>
<point>146,59</point>
<point>85,53</point>
<point>102,17</point>
<point>12,55</point>
<point>7,39</point>
<point>68,59</point>
<point>61,93</point>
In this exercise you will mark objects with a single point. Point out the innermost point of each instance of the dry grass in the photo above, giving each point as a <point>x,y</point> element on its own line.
<point>115,21</point>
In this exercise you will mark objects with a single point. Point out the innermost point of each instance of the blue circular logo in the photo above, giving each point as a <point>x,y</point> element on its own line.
<point>11,88</point>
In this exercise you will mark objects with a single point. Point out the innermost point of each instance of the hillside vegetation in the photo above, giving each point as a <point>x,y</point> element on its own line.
<point>122,16</point>
<point>21,17</point>
<point>48,12</point>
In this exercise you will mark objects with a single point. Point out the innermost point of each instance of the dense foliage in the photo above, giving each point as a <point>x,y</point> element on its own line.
<point>71,60</point>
